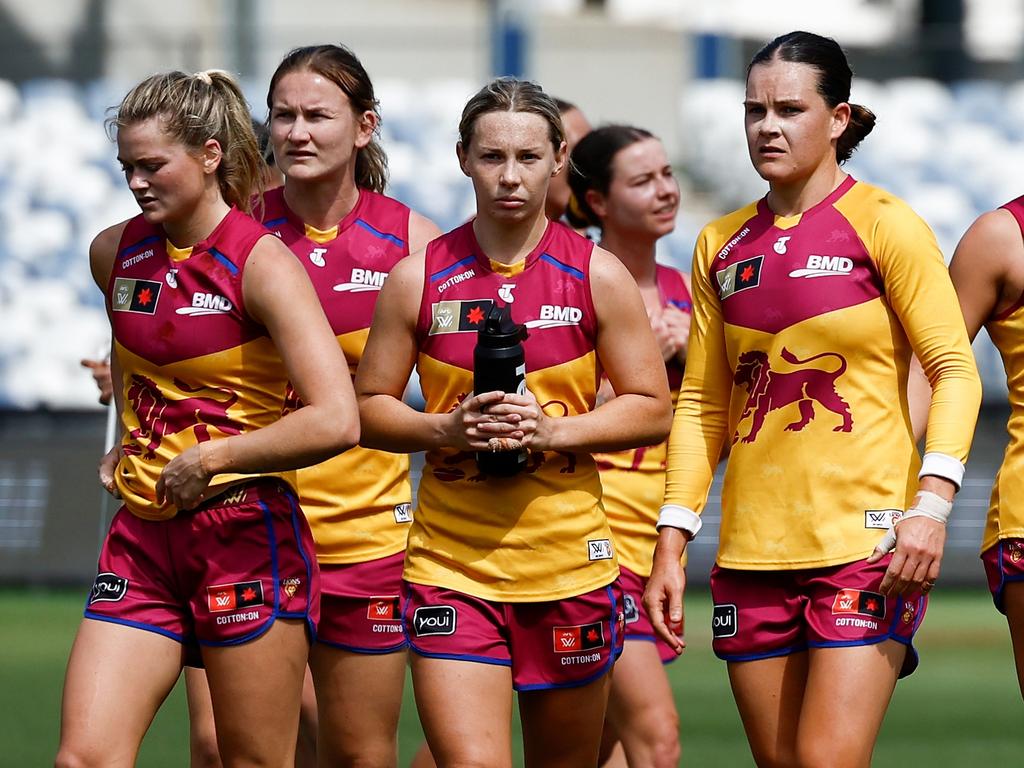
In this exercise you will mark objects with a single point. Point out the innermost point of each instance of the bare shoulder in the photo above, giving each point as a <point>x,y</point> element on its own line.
<point>606,269</point>
<point>102,252</point>
<point>992,244</point>
<point>421,231</point>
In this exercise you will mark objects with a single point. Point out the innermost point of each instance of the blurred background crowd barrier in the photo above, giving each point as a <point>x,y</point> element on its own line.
<point>944,78</point>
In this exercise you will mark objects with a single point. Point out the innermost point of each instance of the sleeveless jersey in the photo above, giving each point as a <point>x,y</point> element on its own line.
<point>358,503</point>
<point>1006,515</point>
<point>803,330</point>
<point>195,366</point>
<point>634,480</point>
<point>542,534</point>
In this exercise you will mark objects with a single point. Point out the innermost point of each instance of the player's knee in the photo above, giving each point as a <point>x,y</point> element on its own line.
<point>774,756</point>
<point>819,754</point>
<point>74,756</point>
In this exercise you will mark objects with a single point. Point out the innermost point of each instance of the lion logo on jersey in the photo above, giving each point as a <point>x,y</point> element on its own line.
<point>769,390</point>
<point>160,416</point>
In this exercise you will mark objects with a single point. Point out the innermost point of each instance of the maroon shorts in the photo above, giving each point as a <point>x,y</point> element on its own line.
<point>761,614</point>
<point>359,606</point>
<point>556,644</point>
<point>638,623</point>
<point>1004,563</point>
<point>217,575</point>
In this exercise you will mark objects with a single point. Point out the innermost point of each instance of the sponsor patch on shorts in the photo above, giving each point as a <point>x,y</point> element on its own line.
<point>724,622</point>
<point>879,518</point>
<point>434,620</point>
<point>631,613</point>
<point>600,549</point>
<point>108,587</point>
<point>581,637</point>
<point>290,586</point>
<point>859,601</point>
<point>383,608</point>
<point>230,597</point>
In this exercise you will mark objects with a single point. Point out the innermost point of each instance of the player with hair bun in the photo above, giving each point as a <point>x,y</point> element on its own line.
<point>622,183</point>
<point>807,308</point>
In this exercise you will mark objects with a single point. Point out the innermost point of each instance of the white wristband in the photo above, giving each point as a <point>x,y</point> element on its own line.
<point>675,516</point>
<point>942,465</point>
<point>929,505</point>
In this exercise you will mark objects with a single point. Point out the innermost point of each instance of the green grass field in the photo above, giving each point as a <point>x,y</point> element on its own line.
<point>961,707</point>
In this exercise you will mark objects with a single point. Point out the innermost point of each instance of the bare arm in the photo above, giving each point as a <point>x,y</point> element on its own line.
<point>641,411</point>
<point>421,231</point>
<point>278,294</point>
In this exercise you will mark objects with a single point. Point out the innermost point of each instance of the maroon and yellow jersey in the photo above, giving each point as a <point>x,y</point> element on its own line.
<point>1006,510</point>
<point>542,534</point>
<point>802,333</point>
<point>358,503</point>
<point>634,480</point>
<point>195,365</point>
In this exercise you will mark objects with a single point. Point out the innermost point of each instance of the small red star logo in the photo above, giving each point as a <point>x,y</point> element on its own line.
<point>747,273</point>
<point>249,594</point>
<point>474,316</point>
<point>871,605</point>
<point>592,635</point>
<point>145,296</point>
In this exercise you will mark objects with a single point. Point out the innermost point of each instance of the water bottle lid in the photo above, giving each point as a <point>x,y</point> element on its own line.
<point>499,329</point>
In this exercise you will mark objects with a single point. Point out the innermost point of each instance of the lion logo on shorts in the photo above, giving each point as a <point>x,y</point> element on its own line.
<point>769,390</point>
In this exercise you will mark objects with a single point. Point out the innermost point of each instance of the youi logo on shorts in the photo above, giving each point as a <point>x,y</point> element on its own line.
<point>362,280</point>
<point>556,316</point>
<point>824,266</point>
<point>724,622</point>
<point>108,588</point>
<point>434,620</point>
<point>207,304</point>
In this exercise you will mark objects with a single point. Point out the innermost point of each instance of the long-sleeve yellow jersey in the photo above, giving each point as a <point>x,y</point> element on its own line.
<point>802,332</point>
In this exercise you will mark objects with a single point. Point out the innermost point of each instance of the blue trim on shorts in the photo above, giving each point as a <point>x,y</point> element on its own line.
<point>604,670</point>
<point>402,646</point>
<point>135,625</point>
<point>268,521</point>
<point>650,639</point>
<point>260,630</point>
<point>460,657</point>
<point>999,595</point>
<point>293,502</point>
<point>758,656</point>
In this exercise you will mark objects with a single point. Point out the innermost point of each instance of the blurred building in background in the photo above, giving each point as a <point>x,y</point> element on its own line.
<point>945,78</point>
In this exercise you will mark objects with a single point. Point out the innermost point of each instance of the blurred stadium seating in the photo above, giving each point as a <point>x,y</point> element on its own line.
<point>943,149</point>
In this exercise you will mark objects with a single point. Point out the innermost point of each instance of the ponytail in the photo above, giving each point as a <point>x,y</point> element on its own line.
<point>862,121</point>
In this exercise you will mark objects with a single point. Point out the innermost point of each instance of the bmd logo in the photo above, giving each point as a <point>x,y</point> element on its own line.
<point>206,304</point>
<point>823,266</point>
<point>434,620</point>
<point>554,316</point>
<point>363,280</point>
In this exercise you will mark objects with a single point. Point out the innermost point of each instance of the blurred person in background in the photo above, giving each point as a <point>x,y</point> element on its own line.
<point>622,183</point>
<point>510,581</point>
<point>807,307</point>
<point>988,273</point>
<point>210,551</point>
<point>333,214</point>
<point>576,126</point>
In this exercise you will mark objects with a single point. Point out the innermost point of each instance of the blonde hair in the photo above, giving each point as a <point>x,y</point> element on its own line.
<point>194,109</point>
<point>506,94</point>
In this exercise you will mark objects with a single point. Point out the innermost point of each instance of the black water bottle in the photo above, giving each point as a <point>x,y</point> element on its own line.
<point>499,364</point>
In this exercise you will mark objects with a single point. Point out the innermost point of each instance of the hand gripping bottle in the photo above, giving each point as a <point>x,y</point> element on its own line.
<point>499,364</point>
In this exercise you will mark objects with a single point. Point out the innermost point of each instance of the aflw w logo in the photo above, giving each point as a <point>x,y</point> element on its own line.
<point>363,280</point>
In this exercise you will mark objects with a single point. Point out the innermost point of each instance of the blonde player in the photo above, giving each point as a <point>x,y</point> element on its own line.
<point>211,316</point>
<point>510,582</point>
